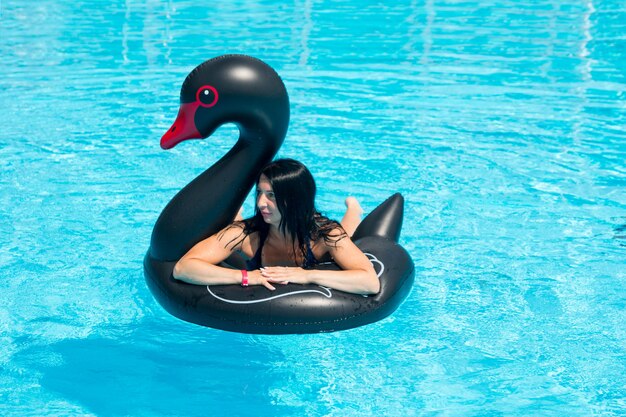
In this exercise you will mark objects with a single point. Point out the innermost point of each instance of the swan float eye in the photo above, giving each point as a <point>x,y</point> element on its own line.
<point>206,96</point>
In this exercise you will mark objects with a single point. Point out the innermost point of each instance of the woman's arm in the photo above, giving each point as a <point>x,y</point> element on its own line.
<point>200,265</point>
<point>357,274</point>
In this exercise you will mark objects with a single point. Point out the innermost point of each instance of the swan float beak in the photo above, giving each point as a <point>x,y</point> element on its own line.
<point>183,128</point>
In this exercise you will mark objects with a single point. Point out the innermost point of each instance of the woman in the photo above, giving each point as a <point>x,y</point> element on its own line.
<point>285,237</point>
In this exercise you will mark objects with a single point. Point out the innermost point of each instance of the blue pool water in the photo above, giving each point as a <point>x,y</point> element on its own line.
<point>502,123</point>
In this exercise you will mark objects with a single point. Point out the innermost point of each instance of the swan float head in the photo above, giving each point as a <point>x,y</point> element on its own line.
<point>231,89</point>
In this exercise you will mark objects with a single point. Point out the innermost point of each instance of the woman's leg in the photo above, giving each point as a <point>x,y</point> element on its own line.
<point>352,218</point>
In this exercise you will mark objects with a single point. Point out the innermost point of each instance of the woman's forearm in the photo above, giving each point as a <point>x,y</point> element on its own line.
<point>354,281</point>
<point>197,271</point>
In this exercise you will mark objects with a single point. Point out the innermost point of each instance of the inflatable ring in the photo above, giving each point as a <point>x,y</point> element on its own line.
<point>247,92</point>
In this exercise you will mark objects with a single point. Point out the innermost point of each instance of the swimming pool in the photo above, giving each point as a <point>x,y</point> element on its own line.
<point>502,123</point>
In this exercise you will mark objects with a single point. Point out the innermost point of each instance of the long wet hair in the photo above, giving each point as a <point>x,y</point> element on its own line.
<point>294,190</point>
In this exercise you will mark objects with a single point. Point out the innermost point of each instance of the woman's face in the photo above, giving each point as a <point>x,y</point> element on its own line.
<point>266,202</point>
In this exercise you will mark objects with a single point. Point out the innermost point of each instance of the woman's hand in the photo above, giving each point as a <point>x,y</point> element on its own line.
<point>258,278</point>
<point>285,275</point>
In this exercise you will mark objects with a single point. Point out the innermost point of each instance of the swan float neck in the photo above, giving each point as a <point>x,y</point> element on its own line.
<point>229,89</point>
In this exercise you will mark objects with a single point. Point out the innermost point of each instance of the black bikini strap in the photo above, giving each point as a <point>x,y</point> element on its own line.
<point>257,255</point>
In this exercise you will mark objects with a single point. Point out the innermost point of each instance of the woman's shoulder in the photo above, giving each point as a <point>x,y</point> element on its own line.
<point>330,235</point>
<point>336,231</point>
<point>237,235</point>
<point>233,229</point>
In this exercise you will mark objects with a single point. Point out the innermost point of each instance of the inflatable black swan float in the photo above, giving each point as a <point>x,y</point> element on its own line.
<point>247,92</point>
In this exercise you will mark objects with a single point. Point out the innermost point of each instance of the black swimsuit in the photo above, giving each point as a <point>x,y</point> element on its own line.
<point>256,262</point>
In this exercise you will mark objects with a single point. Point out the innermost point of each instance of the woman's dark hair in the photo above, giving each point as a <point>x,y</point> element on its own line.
<point>294,190</point>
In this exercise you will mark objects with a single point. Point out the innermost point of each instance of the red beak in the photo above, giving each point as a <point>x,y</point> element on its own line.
<point>183,128</point>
